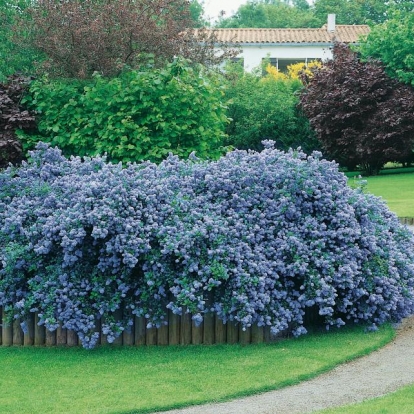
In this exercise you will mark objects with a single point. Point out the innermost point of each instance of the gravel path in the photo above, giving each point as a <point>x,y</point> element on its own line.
<point>377,374</point>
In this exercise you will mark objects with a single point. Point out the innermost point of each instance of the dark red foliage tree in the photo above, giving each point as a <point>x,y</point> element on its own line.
<point>12,117</point>
<point>80,37</point>
<point>361,116</point>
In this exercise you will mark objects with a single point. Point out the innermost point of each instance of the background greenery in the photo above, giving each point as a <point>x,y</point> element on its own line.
<point>139,115</point>
<point>15,56</point>
<point>262,107</point>
<point>301,13</point>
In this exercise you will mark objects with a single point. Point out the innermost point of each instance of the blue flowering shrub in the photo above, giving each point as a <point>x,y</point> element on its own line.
<point>255,237</point>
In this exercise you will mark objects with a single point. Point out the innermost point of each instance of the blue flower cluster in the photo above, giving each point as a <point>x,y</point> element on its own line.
<point>255,237</point>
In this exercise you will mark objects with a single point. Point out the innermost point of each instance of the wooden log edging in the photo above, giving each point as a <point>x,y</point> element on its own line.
<point>180,330</point>
<point>409,221</point>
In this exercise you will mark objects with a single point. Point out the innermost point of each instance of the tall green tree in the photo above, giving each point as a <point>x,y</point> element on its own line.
<point>359,11</point>
<point>262,108</point>
<point>301,4</point>
<point>393,44</point>
<point>197,12</point>
<point>14,56</point>
<point>271,14</point>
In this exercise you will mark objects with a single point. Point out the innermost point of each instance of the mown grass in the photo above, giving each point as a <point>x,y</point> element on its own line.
<point>399,402</point>
<point>146,379</point>
<point>397,190</point>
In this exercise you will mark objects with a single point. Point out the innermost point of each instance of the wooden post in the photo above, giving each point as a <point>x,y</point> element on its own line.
<point>197,333</point>
<point>232,333</point>
<point>98,329</point>
<point>151,336</point>
<point>208,331</point>
<point>162,337</point>
<point>267,336</point>
<point>61,336</point>
<point>28,337</point>
<point>173,329</point>
<point>129,332</point>
<point>103,336</point>
<point>50,338</point>
<point>128,336</point>
<point>220,331</point>
<point>257,334</point>
<point>7,331</point>
<point>71,338</point>
<point>245,336</point>
<point>17,333</point>
<point>185,328</point>
<point>139,328</point>
<point>39,332</point>
<point>118,317</point>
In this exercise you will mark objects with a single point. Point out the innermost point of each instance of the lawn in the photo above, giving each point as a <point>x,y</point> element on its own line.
<point>399,402</point>
<point>145,379</point>
<point>397,190</point>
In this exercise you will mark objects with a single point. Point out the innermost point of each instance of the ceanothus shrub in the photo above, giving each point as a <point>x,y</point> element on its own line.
<point>257,238</point>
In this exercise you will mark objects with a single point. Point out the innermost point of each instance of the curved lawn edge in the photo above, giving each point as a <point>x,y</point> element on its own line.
<point>400,401</point>
<point>255,391</point>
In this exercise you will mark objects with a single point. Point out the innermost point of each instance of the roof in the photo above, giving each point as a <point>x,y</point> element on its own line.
<point>342,33</point>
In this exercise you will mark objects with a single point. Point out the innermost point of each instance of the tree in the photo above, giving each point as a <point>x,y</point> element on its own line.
<point>12,117</point>
<point>360,11</point>
<point>301,4</point>
<point>393,44</point>
<point>14,57</point>
<point>360,115</point>
<point>273,14</point>
<point>262,108</point>
<point>139,115</point>
<point>351,11</point>
<point>299,13</point>
<point>81,37</point>
<point>196,12</point>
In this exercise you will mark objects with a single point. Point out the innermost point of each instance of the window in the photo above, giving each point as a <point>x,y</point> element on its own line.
<point>282,63</point>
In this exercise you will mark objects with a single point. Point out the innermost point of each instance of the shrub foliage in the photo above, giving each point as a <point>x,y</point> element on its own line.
<point>263,108</point>
<point>140,115</point>
<point>12,117</point>
<point>253,237</point>
<point>15,56</point>
<point>80,37</point>
<point>361,115</point>
<point>393,44</point>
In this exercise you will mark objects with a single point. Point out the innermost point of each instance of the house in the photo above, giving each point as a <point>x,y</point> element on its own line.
<point>286,46</point>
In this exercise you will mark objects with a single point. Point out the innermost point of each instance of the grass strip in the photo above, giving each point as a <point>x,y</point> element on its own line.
<point>396,190</point>
<point>147,379</point>
<point>398,402</point>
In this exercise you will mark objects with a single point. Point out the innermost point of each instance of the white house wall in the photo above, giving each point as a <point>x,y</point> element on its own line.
<point>253,54</point>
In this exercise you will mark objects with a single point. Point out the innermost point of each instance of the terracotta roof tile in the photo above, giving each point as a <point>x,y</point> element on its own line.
<point>343,33</point>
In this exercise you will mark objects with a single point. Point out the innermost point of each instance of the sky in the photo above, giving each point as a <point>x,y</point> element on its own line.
<point>212,8</point>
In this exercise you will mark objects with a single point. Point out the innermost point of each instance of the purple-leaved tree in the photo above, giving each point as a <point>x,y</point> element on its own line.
<point>12,117</point>
<point>361,116</point>
<point>81,37</point>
